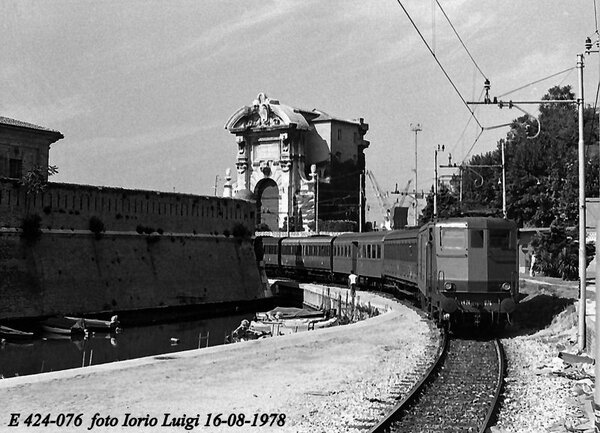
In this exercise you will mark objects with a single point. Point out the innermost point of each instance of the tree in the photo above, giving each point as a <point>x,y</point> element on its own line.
<point>35,181</point>
<point>541,164</point>
<point>448,205</point>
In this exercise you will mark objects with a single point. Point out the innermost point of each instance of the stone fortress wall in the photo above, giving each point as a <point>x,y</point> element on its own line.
<point>64,206</point>
<point>66,272</point>
<point>157,250</point>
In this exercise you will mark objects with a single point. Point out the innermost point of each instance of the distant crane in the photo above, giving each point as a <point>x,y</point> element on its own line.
<point>385,205</point>
<point>404,192</point>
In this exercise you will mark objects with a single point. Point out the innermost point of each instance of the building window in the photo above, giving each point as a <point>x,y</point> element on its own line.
<point>339,134</point>
<point>15,168</point>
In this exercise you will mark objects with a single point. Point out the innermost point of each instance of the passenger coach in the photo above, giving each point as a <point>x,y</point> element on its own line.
<point>463,268</point>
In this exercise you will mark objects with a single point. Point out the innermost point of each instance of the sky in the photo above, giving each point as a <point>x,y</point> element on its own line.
<point>141,90</point>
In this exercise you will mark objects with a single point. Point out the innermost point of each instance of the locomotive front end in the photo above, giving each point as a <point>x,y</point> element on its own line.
<point>475,268</point>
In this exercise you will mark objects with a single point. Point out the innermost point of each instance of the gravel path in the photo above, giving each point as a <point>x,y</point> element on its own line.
<point>542,392</point>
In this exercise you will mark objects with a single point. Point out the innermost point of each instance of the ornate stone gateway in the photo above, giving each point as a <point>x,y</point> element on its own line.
<point>299,165</point>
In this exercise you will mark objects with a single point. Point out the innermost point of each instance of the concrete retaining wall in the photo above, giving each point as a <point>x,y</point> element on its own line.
<point>320,296</point>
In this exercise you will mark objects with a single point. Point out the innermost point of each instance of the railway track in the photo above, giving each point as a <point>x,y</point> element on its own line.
<point>459,393</point>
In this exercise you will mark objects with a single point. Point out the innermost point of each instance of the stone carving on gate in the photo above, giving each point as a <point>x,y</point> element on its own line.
<point>261,114</point>
<point>284,156</point>
<point>241,166</point>
<point>241,145</point>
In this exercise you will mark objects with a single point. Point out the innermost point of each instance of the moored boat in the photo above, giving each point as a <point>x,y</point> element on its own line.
<point>99,325</point>
<point>63,325</point>
<point>9,333</point>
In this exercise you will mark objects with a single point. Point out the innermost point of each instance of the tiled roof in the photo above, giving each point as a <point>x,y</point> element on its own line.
<point>14,122</point>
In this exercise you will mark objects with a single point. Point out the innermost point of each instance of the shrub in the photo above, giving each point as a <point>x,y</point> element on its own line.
<point>241,231</point>
<point>262,227</point>
<point>557,252</point>
<point>96,226</point>
<point>337,226</point>
<point>30,225</point>
<point>145,229</point>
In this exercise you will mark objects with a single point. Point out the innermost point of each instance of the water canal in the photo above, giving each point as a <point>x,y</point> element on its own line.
<point>51,352</point>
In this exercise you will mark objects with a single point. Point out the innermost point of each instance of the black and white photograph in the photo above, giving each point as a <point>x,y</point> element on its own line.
<point>299,216</point>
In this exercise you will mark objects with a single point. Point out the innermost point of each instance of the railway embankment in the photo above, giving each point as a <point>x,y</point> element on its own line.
<point>336,379</point>
<point>544,389</point>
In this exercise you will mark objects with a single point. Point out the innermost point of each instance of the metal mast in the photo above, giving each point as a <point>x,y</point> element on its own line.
<point>416,128</point>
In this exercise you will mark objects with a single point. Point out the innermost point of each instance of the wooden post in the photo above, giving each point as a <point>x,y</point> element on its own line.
<point>347,306</point>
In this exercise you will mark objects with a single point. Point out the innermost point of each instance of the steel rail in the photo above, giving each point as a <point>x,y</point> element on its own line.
<point>499,386</point>
<point>414,392</point>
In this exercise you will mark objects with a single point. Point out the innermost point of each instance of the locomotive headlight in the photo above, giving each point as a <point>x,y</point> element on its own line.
<point>505,287</point>
<point>448,287</point>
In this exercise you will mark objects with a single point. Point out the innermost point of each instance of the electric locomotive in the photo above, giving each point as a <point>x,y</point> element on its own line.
<point>468,268</point>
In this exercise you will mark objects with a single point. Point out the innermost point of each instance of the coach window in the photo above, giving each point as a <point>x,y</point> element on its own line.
<point>452,238</point>
<point>476,238</point>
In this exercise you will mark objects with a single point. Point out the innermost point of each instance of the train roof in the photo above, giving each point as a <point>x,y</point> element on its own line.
<point>360,237</point>
<point>402,234</point>
<point>312,240</point>
<point>479,222</point>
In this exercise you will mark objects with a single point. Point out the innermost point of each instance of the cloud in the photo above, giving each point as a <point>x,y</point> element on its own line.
<point>128,145</point>
<point>262,19</point>
<point>48,113</point>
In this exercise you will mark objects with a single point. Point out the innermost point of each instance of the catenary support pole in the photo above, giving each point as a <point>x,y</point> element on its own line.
<point>435,187</point>
<point>361,200</point>
<point>597,328</point>
<point>503,184</point>
<point>582,260</point>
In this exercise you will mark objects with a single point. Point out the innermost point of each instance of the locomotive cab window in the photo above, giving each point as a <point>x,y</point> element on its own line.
<point>500,239</point>
<point>476,238</point>
<point>452,238</point>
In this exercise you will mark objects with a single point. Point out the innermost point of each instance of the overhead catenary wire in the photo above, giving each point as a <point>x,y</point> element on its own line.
<point>460,39</point>
<point>472,145</point>
<point>439,64</point>
<point>537,81</point>
<point>462,134</point>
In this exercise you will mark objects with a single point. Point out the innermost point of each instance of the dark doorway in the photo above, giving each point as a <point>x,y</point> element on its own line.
<point>267,204</point>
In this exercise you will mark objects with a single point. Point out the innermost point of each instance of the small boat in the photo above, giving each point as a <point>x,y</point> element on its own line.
<point>63,325</point>
<point>14,334</point>
<point>282,313</point>
<point>98,325</point>
<point>327,323</point>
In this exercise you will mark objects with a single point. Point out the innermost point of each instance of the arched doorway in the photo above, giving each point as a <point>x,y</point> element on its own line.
<point>267,205</point>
